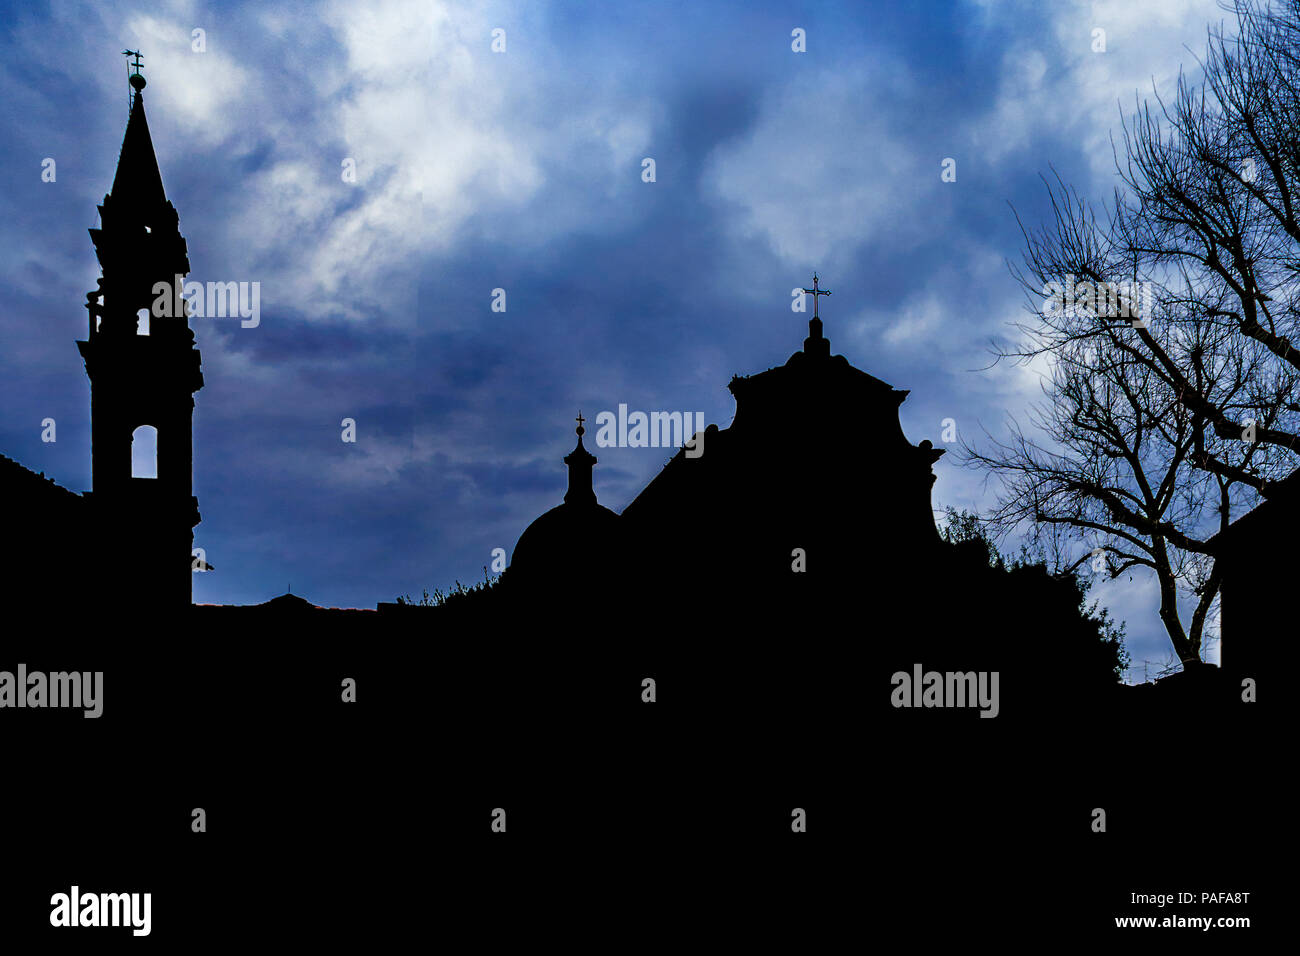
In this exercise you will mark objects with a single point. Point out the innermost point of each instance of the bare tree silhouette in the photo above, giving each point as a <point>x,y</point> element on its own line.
<point>1174,393</point>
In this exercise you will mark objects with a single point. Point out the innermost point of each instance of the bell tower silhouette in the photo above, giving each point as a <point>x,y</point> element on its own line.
<point>141,375</point>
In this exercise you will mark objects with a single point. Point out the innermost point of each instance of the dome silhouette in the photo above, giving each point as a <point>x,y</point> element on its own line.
<point>575,544</point>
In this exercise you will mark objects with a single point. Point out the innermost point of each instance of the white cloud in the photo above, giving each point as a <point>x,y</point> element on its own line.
<point>1052,81</point>
<point>206,94</point>
<point>450,140</point>
<point>819,170</point>
<point>921,321</point>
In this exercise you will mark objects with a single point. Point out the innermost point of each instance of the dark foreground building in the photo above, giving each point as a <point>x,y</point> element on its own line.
<point>1260,568</point>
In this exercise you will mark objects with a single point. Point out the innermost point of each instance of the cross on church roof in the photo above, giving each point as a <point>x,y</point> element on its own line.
<point>580,420</point>
<point>815,291</point>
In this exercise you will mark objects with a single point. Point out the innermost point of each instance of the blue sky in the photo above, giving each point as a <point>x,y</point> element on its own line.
<point>522,170</point>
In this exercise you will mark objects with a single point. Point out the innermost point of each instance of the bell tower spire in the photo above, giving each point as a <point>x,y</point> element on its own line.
<point>144,369</point>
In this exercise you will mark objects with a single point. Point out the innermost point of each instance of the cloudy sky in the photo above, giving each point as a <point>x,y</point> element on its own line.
<point>522,170</point>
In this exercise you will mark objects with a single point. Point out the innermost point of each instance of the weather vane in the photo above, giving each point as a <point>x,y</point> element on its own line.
<point>135,79</point>
<point>815,292</point>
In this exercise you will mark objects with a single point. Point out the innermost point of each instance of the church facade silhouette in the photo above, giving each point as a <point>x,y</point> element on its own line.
<point>813,468</point>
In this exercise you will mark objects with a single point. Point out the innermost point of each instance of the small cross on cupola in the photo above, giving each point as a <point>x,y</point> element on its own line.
<point>815,344</point>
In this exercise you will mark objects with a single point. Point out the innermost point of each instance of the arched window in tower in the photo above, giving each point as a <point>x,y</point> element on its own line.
<point>142,325</point>
<point>144,452</point>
